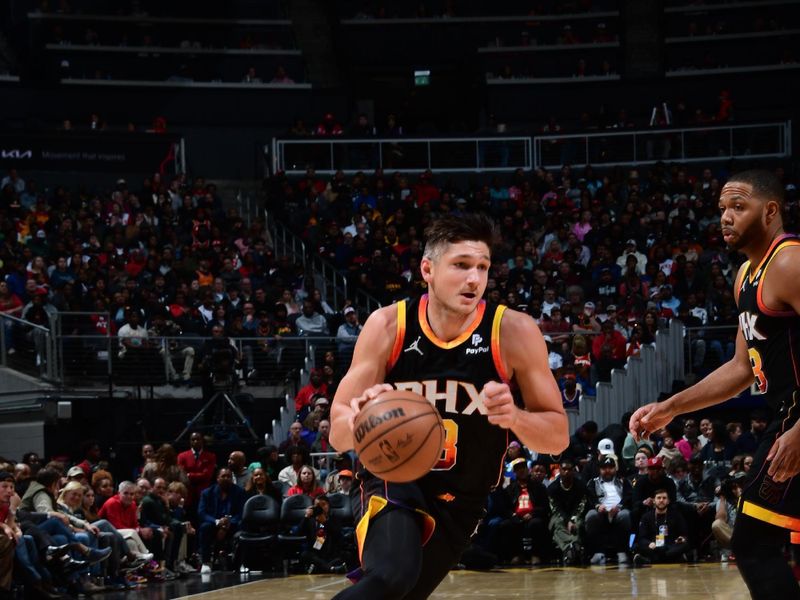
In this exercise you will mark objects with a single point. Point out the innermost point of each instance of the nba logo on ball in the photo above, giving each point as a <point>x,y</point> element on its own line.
<point>398,436</point>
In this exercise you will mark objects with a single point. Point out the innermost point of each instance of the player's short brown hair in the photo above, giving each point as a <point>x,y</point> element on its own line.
<point>451,229</point>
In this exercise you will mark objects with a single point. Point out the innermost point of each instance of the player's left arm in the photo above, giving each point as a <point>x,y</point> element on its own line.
<point>784,293</point>
<point>542,424</point>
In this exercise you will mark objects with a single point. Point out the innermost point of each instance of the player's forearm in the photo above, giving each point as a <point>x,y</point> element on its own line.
<point>722,384</point>
<point>546,432</point>
<point>341,436</point>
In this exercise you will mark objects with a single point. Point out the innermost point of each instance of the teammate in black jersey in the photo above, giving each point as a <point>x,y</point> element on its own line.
<point>768,349</point>
<point>465,356</point>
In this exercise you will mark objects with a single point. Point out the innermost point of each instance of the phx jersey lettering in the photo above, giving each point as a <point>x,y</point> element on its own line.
<point>773,344</point>
<point>451,375</point>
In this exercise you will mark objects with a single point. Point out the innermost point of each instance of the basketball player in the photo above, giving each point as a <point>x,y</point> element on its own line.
<point>767,293</point>
<point>466,356</point>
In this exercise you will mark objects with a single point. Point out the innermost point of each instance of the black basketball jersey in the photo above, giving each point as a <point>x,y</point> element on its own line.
<point>773,339</point>
<point>451,375</point>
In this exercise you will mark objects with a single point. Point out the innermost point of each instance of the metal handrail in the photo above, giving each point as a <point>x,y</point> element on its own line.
<point>334,283</point>
<point>471,144</point>
<point>782,130</point>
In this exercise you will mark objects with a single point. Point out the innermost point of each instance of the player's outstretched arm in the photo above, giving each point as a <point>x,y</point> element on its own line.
<point>720,385</point>
<point>367,369</point>
<point>542,425</point>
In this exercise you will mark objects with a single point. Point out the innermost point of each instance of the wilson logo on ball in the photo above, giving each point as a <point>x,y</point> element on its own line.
<point>374,420</point>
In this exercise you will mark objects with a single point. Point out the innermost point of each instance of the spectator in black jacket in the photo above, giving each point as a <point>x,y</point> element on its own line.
<point>324,541</point>
<point>567,506</point>
<point>662,533</point>
<point>154,512</point>
<point>582,444</point>
<point>645,488</point>
<point>608,522</point>
<point>524,533</point>
<point>697,501</point>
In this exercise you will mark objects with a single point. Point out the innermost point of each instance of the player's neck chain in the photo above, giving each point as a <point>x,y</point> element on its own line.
<point>564,487</point>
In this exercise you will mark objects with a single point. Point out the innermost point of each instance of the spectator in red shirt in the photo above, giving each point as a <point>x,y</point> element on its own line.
<point>120,511</point>
<point>315,387</point>
<point>199,465</point>
<point>612,337</point>
<point>306,484</point>
<point>556,327</point>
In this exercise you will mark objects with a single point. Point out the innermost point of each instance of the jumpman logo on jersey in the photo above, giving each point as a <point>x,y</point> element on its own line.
<point>414,346</point>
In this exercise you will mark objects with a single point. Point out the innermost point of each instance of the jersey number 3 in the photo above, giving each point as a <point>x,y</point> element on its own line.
<point>755,362</point>
<point>450,450</point>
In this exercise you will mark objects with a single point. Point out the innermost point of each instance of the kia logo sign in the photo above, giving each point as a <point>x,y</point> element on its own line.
<point>16,153</point>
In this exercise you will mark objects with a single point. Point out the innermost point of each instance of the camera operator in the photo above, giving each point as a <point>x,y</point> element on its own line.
<point>219,359</point>
<point>324,542</point>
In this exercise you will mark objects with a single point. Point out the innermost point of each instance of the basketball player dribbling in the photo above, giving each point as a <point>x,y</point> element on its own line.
<point>767,292</point>
<point>466,356</point>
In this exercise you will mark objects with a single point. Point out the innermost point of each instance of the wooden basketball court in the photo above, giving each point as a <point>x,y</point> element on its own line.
<point>712,581</point>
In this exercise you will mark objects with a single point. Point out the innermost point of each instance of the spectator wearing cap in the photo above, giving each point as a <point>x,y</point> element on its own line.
<point>608,521</point>
<point>668,304</point>
<point>630,250</point>
<point>347,334</point>
<point>341,463</point>
<point>321,407</point>
<point>645,487</point>
<point>344,481</point>
<point>78,474</point>
<point>605,447</point>
<point>315,387</point>
<point>617,317</point>
<point>523,536</point>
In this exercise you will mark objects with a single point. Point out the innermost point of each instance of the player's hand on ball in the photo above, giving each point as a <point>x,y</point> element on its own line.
<point>500,405</point>
<point>785,456</point>
<point>369,394</point>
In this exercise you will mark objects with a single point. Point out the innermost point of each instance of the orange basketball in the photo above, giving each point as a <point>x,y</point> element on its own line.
<point>398,436</point>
